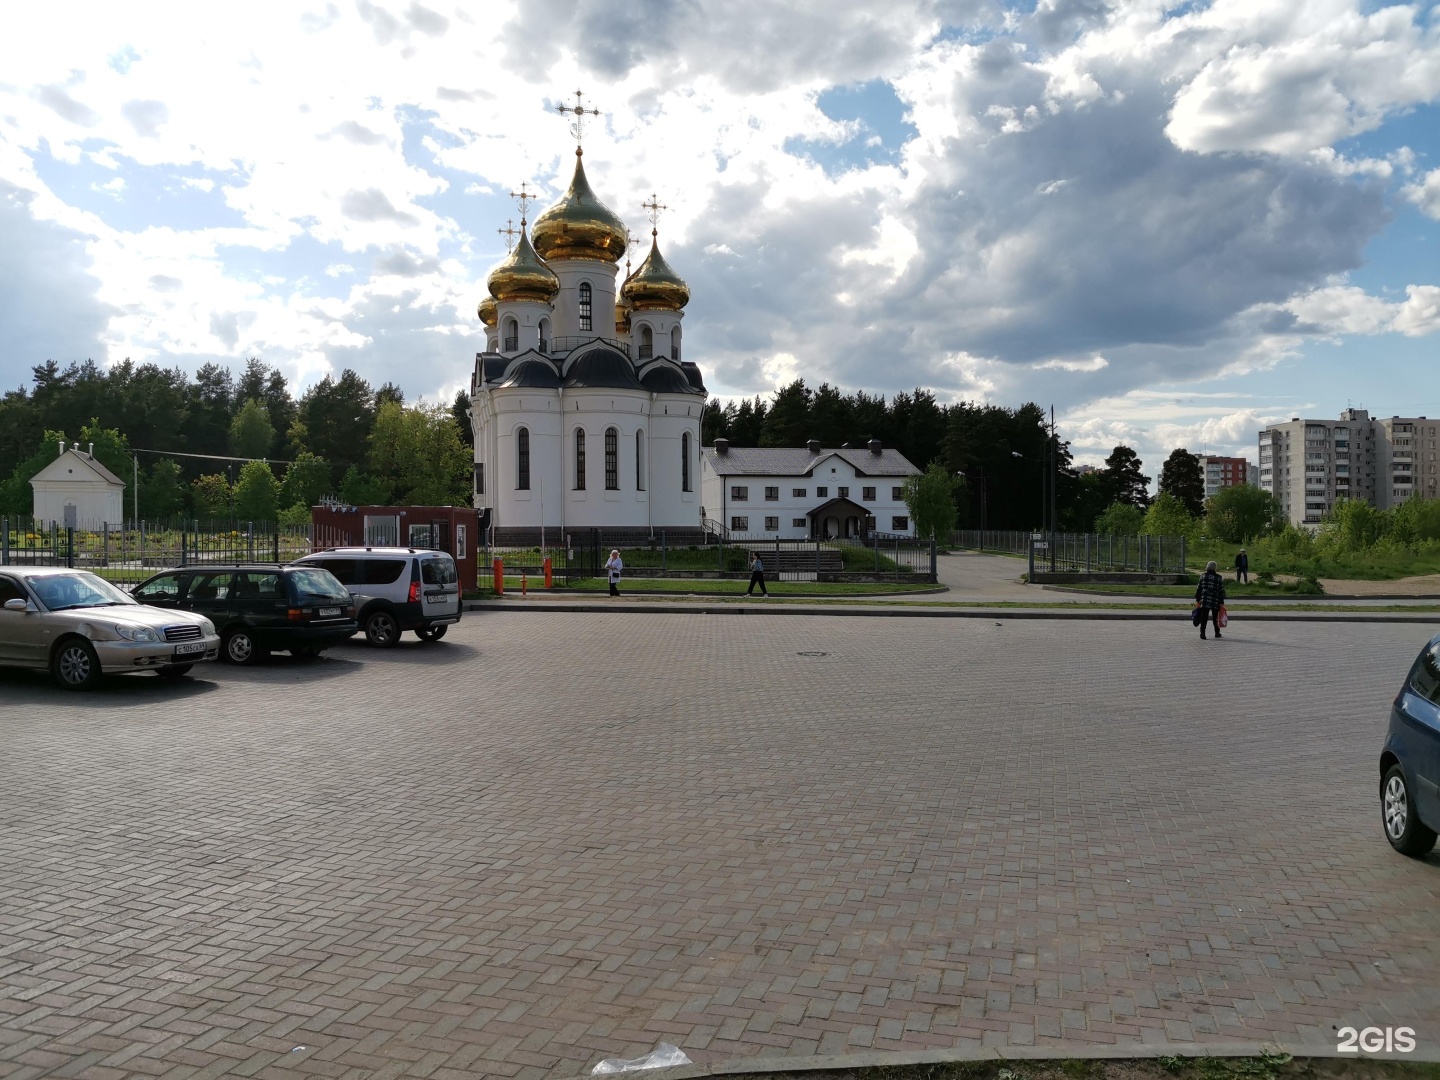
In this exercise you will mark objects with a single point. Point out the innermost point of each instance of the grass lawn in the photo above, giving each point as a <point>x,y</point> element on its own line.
<point>711,587</point>
<point>1368,566</point>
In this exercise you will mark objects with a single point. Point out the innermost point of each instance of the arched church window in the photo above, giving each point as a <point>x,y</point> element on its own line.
<point>544,335</point>
<point>640,461</point>
<point>522,459</point>
<point>585,305</point>
<point>675,343</point>
<point>612,459</point>
<point>647,343</point>
<point>512,335</point>
<point>685,461</point>
<point>579,461</point>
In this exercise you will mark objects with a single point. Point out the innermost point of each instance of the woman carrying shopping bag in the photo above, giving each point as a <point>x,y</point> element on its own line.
<point>1210,599</point>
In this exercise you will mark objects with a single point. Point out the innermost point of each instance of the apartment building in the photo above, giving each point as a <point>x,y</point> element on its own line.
<point>1223,472</point>
<point>1308,464</point>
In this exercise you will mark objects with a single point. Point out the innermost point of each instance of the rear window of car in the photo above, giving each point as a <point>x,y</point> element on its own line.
<point>437,571</point>
<point>1426,679</point>
<point>313,583</point>
<point>209,586</point>
<point>258,585</point>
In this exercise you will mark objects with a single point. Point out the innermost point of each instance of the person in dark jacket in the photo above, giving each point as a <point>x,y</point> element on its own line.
<point>1242,567</point>
<point>757,575</point>
<point>1209,595</point>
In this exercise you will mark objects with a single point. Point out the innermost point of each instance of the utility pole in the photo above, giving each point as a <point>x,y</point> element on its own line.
<point>1054,485</point>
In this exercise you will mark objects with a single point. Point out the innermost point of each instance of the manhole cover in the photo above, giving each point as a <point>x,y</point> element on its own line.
<point>812,654</point>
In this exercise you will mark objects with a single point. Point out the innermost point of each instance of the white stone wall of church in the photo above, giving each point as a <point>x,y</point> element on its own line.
<point>661,324</point>
<point>526,318</point>
<point>671,416</point>
<point>601,276</point>
<point>538,412</point>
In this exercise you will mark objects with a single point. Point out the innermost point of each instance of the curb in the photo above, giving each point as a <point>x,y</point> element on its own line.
<point>1294,598</point>
<point>997,614</point>
<point>1051,1052</point>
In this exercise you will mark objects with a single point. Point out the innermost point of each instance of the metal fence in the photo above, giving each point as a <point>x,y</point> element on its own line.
<point>1087,553</point>
<point>582,554</point>
<point>128,553</point>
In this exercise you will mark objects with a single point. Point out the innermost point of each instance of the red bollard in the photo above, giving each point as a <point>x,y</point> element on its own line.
<point>523,593</point>
<point>499,576</point>
<point>549,580</point>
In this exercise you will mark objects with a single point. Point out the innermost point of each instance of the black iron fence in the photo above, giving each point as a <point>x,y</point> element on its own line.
<point>128,553</point>
<point>1087,553</point>
<point>582,554</point>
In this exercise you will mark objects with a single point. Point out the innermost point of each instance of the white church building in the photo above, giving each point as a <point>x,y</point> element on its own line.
<point>584,412</point>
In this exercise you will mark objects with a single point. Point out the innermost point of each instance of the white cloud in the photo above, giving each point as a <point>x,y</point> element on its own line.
<point>1425,193</point>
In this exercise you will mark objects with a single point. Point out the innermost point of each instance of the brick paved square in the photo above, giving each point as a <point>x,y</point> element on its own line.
<point>557,837</point>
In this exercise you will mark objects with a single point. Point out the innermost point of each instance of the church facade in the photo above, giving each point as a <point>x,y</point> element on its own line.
<point>586,416</point>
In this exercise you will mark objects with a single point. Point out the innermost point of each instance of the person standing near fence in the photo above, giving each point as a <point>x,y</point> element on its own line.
<point>614,565</point>
<point>757,575</point>
<point>1210,597</point>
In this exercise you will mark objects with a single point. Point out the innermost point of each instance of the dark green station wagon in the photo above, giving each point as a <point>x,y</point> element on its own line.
<point>302,610</point>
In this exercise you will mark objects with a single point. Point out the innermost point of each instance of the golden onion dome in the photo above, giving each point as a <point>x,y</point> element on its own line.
<point>622,318</point>
<point>655,287</point>
<point>488,312</point>
<point>580,226</point>
<point>522,276</point>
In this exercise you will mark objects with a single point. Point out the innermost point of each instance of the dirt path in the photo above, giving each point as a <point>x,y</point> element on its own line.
<point>1424,585</point>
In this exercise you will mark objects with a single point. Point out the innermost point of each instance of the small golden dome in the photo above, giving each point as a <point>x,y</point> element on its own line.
<point>487,311</point>
<point>580,226</point>
<point>622,318</point>
<point>655,287</point>
<point>522,276</point>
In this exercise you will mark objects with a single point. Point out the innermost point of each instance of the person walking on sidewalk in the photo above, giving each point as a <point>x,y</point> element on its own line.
<point>614,565</point>
<point>1242,567</point>
<point>1209,596</point>
<point>757,575</point>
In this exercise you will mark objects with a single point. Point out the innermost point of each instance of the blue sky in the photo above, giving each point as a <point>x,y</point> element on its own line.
<point>1175,224</point>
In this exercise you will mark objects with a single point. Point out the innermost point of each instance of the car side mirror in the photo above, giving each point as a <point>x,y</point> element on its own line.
<point>17,604</point>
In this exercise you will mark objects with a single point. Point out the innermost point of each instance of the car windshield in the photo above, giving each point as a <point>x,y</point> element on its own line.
<point>317,584</point>
<point>62,592</point>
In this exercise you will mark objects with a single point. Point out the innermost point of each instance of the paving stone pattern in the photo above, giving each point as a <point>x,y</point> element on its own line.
<point>557,837</point>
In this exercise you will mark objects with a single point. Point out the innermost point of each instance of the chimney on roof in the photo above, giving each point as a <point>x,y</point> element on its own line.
<point>722,446</point>
<point>90,452</point>
<point>813,445</point>
<point>875,446</point>
<point>1294,419</point>
<point>62,446</point>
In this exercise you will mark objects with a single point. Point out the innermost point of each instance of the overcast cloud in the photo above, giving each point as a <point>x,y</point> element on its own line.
<point>1152,218</point>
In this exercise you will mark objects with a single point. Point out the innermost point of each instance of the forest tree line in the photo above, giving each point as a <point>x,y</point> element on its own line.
<point>341,438</point>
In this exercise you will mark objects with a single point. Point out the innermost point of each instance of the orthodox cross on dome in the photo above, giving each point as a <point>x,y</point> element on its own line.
<point>524,198</point>
<point>631,243</point>
<point>509,232</point>
<point>579,110</point>
<point>655,208</point>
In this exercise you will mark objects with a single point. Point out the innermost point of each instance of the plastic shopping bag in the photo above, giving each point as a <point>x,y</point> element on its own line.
<point>1224,619</point>
<point>663,1056</point>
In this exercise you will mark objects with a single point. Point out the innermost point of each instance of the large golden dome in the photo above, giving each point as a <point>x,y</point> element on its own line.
<point>522,276</point>
<point>655,287</point>
<point>487,310</point>
<point>580,226</point>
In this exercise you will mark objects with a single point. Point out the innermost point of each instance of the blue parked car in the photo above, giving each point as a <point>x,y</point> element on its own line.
<point>1410,762</point>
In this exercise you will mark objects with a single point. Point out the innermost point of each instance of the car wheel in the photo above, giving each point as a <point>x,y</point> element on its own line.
<point>75,665</point>
<point>1405,831</point>
<point>239,648</point>
<point>381,630</point>
<point>174,671</point>
<point>431,633</point>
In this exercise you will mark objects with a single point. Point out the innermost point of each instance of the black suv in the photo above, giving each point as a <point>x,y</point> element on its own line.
<point>302,610</point>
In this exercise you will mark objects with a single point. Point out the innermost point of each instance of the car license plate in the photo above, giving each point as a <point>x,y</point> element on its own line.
<point>439,598</point>
<point>191,649</point>
<point>329,611</point>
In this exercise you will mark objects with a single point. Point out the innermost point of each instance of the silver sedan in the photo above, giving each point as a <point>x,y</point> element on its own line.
<point>80,627</point>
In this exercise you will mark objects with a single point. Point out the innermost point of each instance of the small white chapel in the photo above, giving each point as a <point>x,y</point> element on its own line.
<point>585,414</point>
